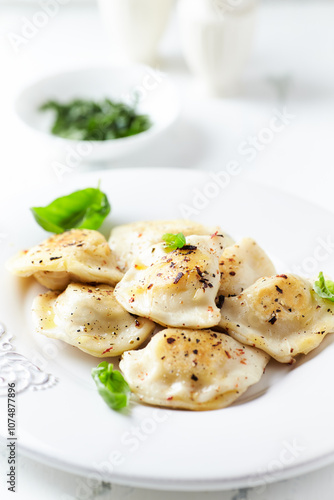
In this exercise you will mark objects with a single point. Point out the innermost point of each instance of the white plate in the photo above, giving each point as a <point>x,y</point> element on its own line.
<point>157,97</point>
<point>279,428</point>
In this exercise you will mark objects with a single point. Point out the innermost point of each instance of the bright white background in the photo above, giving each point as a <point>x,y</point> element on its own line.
<point>291,67</point>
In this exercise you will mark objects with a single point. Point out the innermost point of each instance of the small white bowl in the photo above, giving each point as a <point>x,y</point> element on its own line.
<point>157,98</point>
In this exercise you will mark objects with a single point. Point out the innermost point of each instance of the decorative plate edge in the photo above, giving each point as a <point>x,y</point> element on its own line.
<point>16,368</point>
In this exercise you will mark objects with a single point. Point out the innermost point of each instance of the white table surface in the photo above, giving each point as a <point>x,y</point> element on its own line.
<point>291,67</point>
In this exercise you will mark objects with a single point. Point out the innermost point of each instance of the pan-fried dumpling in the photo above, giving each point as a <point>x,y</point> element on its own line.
<point>90,318</point>
<point>175,288</point>
<point>192,369</point>
<point>241,265</point>
<point>76,255</point>
<point>129,240</point>
<point>281,315</point>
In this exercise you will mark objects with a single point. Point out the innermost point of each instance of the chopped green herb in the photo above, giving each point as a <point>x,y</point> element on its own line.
<point>324,288</point>
<point>84,209</point>
<point>96,121</point>
<point>111,385</point>
<point>174,241</point>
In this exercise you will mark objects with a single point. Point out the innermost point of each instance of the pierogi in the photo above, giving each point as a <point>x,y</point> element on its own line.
<point>176,288</point>
<point>281,315</point>
<point>241,265</point>
<point>90,318</point>
<point>192,369</point>
<point>77,255</point>
<point>129,240</point>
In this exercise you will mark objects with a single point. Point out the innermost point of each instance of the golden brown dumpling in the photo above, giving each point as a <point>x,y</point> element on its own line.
<point>175,288</point>
<point>192,369</point>
<point>77,255</point>
<point>90,318</point>
<point>129,240</point>
<point>241,265</point>
<point>281,315</point>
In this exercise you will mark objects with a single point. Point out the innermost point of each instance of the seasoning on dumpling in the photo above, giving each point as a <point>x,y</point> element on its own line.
<point>192,369</point>
<point>241,265</point>
<point>281,315</point>
<point>176,288</point>
<point>90,318</point>
<point>129,240</point>
<point>76,255</point>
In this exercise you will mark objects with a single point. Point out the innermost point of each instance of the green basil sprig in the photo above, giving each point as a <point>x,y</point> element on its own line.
<point>174,241</point>
<point>83,209</point>
<point>111,385</point>
<point>324,288</point>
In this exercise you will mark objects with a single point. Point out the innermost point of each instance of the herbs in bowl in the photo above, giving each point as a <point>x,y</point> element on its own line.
<point>97,114</point>
<point>87,120</point>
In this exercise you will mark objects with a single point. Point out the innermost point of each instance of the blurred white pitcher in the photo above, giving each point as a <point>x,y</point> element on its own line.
<point>135,27</point>
<point>216,39</point>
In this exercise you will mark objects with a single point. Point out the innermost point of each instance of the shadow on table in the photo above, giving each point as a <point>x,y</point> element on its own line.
<point>182,146</point>
<point>284,87</point>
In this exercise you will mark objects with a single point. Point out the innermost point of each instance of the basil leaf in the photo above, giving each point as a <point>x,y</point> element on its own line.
<point>84,209</point>
<point>174,241</point>
<point>111,386</point>
<point>324,288</point>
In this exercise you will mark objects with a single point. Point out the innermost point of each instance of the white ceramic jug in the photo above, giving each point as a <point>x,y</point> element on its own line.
<point>135,27</point>
<point>216,38</point>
